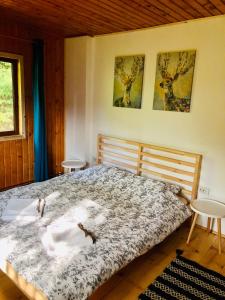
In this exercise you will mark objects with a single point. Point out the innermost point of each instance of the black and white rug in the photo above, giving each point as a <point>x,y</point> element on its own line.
<point>185,279</point>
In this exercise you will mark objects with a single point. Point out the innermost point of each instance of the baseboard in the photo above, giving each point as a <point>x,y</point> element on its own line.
<point>212,231</point>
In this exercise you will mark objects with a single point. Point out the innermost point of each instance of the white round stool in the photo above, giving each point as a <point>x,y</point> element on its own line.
<point>211,209</point>
<point>73,164</point>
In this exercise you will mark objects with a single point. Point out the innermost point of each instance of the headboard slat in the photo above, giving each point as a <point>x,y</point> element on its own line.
<point>119,163</point>
<point>167,168</point>
<point>124,141</point>
<point>110,153</point>
<point>106,145</point>
<point>170,159</point>
<point>168,177</point>
<point>169,150</point>
<point>176,166</point>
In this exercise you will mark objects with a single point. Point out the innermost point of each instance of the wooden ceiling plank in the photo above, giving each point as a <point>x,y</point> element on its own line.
<point>156,11</point>
<point>212,9</point>
<point>204,12</point>
<point>165,8</point>
<point>203,2</point>
<point>71,20</point>
<point>128,11</point>
<point>33,23</point>
<point>58,23</point>
<point>176,8</point>
<point>59,13</point>
<point>125,26</point>
<point>95,17</point>
<point>114,12</point>
<point>143,7</point>
<point>220,5</point>
<point>209,7</point>
<point>194,13</point>
<point>95,7</point>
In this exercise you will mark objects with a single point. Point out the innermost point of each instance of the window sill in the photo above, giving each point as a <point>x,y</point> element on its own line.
<point>12,137</point>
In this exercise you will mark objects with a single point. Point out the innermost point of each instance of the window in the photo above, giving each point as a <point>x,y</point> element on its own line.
<point>11,100</point>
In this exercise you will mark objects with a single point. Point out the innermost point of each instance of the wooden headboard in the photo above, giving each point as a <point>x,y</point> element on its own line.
<point>169,164</point>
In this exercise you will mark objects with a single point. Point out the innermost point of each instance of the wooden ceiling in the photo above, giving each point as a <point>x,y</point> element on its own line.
<point>94,17</point>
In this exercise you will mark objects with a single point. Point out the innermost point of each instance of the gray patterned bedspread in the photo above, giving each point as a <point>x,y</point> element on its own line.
<point>131,215</point>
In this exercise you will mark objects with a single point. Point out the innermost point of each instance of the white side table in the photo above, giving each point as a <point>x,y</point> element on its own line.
<point>211,209</point>
<point>73,164</point>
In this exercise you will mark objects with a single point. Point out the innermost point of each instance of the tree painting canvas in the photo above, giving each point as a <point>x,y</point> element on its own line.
<point>173,82</point>
<point>128,81</point>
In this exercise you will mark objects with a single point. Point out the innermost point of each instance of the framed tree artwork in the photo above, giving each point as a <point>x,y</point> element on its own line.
<point>128,81</point>
<point>173,82</point>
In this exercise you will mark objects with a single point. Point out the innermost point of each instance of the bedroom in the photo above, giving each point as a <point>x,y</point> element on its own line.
<point>79,63</point>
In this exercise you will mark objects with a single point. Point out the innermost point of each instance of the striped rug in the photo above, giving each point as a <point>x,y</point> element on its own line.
<point>185,279</point>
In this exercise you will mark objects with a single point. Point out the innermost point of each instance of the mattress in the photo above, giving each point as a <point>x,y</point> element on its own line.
<point>128,214</point>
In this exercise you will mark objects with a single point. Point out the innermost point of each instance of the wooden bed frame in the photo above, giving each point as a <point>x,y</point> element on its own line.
<point>176,166</point>
<point>169,164</point>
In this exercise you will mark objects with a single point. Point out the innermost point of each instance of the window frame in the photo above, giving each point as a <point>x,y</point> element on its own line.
<point>14,63</point>
<point>19,131</point>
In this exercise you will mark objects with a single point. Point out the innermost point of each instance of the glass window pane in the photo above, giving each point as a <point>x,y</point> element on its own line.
<point>6,97</point>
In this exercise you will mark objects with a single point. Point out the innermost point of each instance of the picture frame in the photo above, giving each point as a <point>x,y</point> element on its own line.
<point>128,81</point>
<point>173,80</point>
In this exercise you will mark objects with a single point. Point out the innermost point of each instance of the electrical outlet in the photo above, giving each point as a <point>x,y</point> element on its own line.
<point>204,190</point>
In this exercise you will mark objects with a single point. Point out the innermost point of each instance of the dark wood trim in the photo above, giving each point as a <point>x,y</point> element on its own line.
<point>15,63</point>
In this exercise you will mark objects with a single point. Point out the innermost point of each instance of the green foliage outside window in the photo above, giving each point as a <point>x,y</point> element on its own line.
<point>6,97</point>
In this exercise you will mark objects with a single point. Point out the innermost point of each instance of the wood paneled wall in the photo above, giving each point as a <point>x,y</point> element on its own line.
<point>17,156</point>
<point>54,62</point>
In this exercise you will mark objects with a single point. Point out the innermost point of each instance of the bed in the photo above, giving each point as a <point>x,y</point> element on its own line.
<point>128,212</point>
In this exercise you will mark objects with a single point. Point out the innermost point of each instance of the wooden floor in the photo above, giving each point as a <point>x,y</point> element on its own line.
<point>132,280</point>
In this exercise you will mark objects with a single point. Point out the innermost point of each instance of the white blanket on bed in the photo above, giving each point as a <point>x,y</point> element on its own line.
<point>22,210</point>
<point>63,236</point>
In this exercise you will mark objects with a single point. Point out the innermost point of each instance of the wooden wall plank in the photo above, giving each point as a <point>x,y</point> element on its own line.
<point>19,162</point>
<point>13,163</point>
<point>17,156</point>
<point>7,163</point>
<point>59,103</point>
<point>15,159</point>
<point>2,166</point>
<point>54,72</point>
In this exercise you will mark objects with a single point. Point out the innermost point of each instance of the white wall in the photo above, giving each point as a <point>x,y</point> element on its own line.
<point>79,54</point>
<point>202,130</point>
<point>75,93</point>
